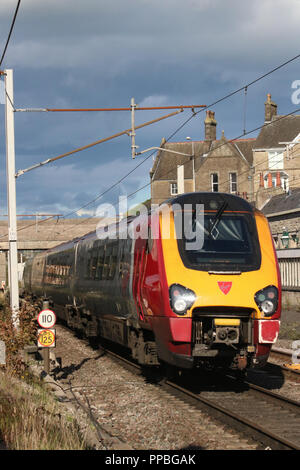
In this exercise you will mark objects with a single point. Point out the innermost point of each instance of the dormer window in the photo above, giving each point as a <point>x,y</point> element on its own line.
<point>275,160</point>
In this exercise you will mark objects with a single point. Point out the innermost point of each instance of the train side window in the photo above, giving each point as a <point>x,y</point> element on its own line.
<point>122,258</point>
<point>100,263</point>
<point>113,261</point>
<point>107,262</point>
<point>88,264</point>
<point>94,263</point>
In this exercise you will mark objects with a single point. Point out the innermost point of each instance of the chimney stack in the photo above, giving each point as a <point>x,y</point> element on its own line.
<point>210,126</point>
<point>270,109</point>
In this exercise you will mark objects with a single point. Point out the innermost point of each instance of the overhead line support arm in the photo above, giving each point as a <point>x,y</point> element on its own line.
<point>97,142</point>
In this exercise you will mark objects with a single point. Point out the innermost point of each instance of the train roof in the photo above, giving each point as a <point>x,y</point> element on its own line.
<point>86,236</point>
<point>235,203</point>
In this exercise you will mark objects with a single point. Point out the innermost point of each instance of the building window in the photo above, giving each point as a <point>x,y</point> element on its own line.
<point>214,177</point>
<point>173,189</point>
<point>275,160</point>
<point>233,182</point>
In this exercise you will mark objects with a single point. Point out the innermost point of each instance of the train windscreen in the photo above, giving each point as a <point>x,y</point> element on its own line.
<point>227,241</point>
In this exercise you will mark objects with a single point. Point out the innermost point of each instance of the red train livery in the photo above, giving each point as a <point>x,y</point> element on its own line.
<point>196,284</point>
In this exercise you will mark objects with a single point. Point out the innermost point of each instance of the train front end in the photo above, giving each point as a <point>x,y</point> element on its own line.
<point>223,300</point>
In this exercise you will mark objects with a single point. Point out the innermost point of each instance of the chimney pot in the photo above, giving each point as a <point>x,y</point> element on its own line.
<point>270,109</point>
<point>210,126</point>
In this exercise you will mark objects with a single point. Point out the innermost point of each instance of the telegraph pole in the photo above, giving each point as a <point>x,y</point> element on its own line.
<point>11,197</point>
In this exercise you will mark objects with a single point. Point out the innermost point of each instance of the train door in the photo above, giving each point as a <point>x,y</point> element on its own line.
<point>139,268</point>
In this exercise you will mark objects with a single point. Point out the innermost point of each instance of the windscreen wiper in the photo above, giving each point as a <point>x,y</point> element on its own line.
<point>217,218</point>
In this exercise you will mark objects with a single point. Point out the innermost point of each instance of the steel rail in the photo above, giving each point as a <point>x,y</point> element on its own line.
<point>248,427</point>
<point>209,401</point>
<point>239,422</point>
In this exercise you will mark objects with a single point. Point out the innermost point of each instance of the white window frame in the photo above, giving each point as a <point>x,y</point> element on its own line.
<point>233,183</point>
<point>275,159</point>
<point>173,191</point>
<point>213,183</point>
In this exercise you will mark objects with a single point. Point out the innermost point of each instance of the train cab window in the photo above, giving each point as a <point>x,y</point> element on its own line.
<point>229,242</point>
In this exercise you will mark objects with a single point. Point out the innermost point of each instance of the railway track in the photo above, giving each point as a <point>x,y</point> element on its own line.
<point>263,416</point>
<point>266,418</point>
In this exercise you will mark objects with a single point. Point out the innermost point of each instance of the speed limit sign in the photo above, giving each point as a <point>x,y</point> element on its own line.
<point>46,319</point>
<point>46,338</point>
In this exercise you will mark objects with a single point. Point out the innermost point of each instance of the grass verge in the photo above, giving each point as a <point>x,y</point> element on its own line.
<point>31,418</point>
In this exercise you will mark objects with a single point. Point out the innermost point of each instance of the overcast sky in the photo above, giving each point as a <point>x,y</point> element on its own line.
<point>101,53</point>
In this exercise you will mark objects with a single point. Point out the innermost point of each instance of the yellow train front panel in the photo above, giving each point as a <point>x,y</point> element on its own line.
<point>234,306</point>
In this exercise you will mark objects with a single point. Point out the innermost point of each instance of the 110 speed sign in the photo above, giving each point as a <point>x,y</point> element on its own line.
<point>46,319</point>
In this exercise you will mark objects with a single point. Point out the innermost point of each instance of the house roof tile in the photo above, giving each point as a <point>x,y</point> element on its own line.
<point>280,129</point>
<point>283,202</point>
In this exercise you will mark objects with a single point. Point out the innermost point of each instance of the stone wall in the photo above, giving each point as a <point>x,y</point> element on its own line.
<point>160,189</point>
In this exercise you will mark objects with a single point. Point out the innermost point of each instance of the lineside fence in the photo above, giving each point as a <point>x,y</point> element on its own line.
<point>289,265</point>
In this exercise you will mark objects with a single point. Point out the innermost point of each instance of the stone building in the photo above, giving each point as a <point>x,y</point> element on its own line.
<point>254,168</point>
<point>276,152</point>
<point>283,213</point>
<point>212,164</point>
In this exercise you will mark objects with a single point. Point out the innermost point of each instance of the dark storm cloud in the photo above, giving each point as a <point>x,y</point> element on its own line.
<point>102,53</point>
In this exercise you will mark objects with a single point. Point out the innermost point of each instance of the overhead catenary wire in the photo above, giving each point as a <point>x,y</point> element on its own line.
<point>244,87</point>
<point>85,220</point>
<point>166,174</point>
<point>93,144</point>
<point>203,107</point>
<point>10,32</point>
<point>185,163</point>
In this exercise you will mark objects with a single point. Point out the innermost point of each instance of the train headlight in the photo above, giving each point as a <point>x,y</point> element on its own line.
<point>181,298</point>
<point>267,300</point>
